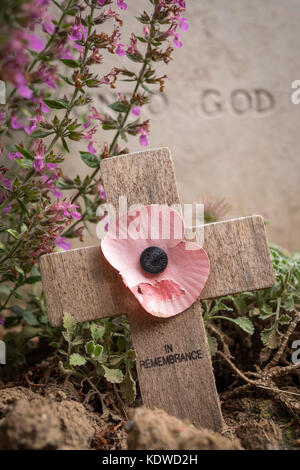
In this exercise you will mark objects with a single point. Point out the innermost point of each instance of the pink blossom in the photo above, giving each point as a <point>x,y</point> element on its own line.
<point>100,188</point>
<point>183,24</point>
<point>31,127</point>
<point>48,26</point>
<point>176,270</point>
<point>121,4</point>
<point>176,41</point>
<point>47,75</point>
<point>7,182</point>
<point>68,209</point>
<point>44,107</point>
<point>62,243</point>
<point>120,50</point>
<point>24,91</point>
<point>101,2</point>
<point>39,153</point>
<point>75,214</point>
<point>78,31</point>
<point>143,139</point>
<point>136,110</point>
<point>14,155</point>
<point>15,123</point>
<point>7,208</point>
<point>35,43</point>
<point>92,149</point>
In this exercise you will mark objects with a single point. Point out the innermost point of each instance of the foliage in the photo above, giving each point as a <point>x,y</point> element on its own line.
<point>270,310</point>
<point>98,349</point>
<point>49,65</point>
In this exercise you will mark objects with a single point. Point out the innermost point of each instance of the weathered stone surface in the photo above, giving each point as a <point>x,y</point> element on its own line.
<point>227,114</point>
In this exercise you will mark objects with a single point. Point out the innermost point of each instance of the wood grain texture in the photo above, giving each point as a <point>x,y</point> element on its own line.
<point>186,389</point>
<point>80,282</point>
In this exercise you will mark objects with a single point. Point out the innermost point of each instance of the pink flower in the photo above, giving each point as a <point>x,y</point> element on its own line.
<point>101,2</point>
<point>7,182</point>
<point>164,272</point>
<point>120,50</point>
<point>100,188</point>
<point>91,148</point>
<point>35,43</point>
<point>121,4</point>
<point>136,110</point>
<point>48,26</point>
<point>62,243</point>
<point>31,128</point>
<point>39,153</point>
<point>183,24</point>
<point>14,155</point>
<point>7,208</point>
<point>176,41</point>
<point>78,31</point>
<point>15,123</point>
<point>75,214</point>
<point>67,209</point>
<point>144,138</point>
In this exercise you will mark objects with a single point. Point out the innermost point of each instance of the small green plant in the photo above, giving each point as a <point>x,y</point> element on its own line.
<point>98,350</point>
<point>271,309</point>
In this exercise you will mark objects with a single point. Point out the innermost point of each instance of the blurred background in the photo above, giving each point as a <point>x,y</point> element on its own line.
<point>226,113</point>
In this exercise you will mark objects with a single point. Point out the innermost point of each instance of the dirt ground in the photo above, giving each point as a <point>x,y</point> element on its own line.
<point>56,417</point>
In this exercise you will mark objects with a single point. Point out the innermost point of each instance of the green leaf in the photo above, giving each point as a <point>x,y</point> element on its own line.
<point>285,319</point>
<point>128,388</point>
<point>56,104</point>
<point>73,64</point>
<point>212,344</point>
<point>69,323</point>
<point>5,290</point>
<point>77,341</point>
<point>109,126</point>
<point>90,160</point>
<point>119,106</point>
<point>24,163</point>
<point>97,331</point>
<point>135,58</point>
<point>30,319</point>
<point>24,152</point>
<point>270,337</point>
<point>65,145</point>
<point>245,324</point>
<point>77,360</point>
<point>41,134</point>
<point>114,376</point>
<point>13,233</point>
<point>98,350</point>
<point>89,347</point>
<point>32,279</point>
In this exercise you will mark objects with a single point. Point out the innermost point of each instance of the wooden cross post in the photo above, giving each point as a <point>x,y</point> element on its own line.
<point>82,283</point>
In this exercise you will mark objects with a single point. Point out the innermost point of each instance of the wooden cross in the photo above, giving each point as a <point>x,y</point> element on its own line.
<point>81,282</point>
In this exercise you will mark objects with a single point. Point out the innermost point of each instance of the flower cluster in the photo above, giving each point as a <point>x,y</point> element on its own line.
<point>50,63</point>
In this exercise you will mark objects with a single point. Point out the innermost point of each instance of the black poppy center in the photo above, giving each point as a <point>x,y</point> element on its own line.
<point>154,260</point>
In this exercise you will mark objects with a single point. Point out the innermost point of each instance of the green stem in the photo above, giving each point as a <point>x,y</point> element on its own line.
<point>124,120</point>
<point>3,307</point>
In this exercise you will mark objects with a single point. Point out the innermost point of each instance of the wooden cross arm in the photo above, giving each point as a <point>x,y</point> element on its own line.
<point>82,283</point>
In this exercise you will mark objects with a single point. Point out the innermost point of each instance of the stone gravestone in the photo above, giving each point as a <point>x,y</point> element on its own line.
<point>82,283</point>
<point>227,108</point>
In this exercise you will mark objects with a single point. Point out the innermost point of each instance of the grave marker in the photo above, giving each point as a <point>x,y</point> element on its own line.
<point>173,362</point>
